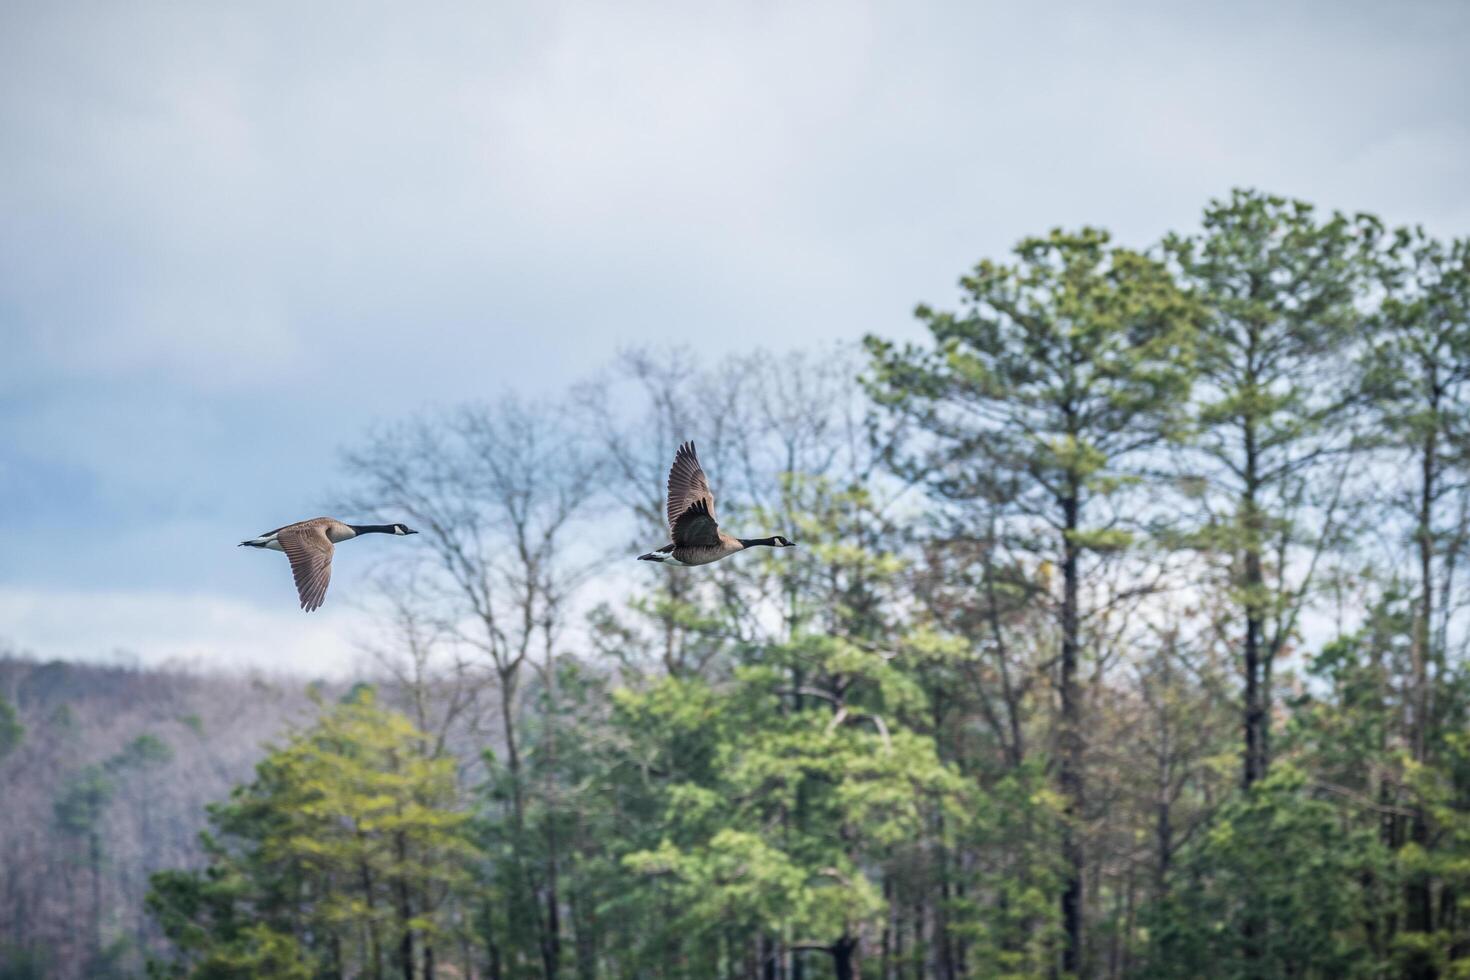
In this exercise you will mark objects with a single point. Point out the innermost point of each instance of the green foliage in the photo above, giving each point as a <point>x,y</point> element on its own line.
<point>142,753</point>
<point>12,732</point>
<point>83,800</point>
<point>1278,886</point>
<point>1059,366</point>
<point>341,847</point>
<point>1012,923</point>
<point>1280,288</point>
<point>1445,790</point>
<point>1419,360</point>
<point>23,963</point>
<point>781,825</point>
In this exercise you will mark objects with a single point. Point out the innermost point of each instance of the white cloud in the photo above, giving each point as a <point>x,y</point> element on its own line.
<point>231,236</point>
<point>157,627</point>
<point>231,198</point>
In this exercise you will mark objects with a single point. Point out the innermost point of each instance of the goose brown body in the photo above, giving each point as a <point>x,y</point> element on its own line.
<point>697,538</point>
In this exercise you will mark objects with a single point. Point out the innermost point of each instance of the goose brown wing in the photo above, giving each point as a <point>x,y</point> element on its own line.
<point>688,486</point>
<point>310,552</point>
<point>696,527</point>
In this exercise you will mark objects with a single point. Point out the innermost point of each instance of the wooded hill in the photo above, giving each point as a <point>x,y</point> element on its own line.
<point>105,772</point>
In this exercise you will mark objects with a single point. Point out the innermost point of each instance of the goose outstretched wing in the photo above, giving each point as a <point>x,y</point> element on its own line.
<point>310,551</point>
<point>692,518</point>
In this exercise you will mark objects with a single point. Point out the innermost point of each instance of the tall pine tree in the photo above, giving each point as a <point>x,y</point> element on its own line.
<point>1060,372</point>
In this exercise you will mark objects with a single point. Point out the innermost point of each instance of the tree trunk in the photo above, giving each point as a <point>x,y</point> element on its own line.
<point>844,958</point>
<point>94,854</point>
<point>1257,693</point>
<point>1070,739</point>
<point>375,949</point>
<point>1257,697</point>
<point>1164,842</point>
<point>494,969</point>
<point>1163,782</point>
<point>584,935</point>
<point>1424,533</point>
<point>948,967</point>
<point>885,942</point>
<point>405,908</point>
<point>551,934</point>
<point>1418,898</point>
<point>518,819</point>
<point>512,750</point>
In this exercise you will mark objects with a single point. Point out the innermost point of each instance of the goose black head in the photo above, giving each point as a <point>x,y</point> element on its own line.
<point>403,529</point>
<point>778,541</point>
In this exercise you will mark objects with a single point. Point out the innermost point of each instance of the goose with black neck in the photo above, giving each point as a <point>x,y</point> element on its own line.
<point>310,544</point>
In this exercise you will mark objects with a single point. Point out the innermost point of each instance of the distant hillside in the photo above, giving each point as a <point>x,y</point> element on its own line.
<point>106,778</point>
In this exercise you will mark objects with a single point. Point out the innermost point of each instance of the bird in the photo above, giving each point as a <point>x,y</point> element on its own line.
<point>698,539</point>
<point>309,545</point>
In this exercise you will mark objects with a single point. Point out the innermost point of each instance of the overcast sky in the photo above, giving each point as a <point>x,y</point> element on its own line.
<point>234,235</point>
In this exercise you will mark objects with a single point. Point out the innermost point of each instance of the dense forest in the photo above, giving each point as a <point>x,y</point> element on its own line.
<point>1125,637</point>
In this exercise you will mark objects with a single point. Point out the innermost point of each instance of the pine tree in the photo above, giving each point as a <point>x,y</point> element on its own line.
<point>1274,395</point>
<point>1418,372</point>
<point>1062,370</point>
<point>335,858</point>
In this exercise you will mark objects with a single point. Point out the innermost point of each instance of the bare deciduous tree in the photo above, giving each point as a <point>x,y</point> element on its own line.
<point>497,492</point>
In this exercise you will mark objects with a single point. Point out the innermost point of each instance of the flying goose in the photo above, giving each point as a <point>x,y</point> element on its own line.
<point>309,546</point>
<point>698,539</point>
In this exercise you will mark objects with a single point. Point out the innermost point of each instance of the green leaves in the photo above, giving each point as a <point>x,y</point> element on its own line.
<point>738,878</point>
<point>784,830</point>
<point>12,732</point>
<point>342,826</point>
<point>1057,370</point>
<point>796,879</point>
<point>144,752</point>
<point>83,800</point>
<point>1278,287</point>
<point>1275,887</point>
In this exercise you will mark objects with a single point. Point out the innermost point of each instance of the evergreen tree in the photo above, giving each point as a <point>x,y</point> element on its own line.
<point>1274,393</point>
<point>12,732</point>
<point>1277,853</point>
<point>1418,369</point>
<point>1059,373</point>
<point>333,861</point>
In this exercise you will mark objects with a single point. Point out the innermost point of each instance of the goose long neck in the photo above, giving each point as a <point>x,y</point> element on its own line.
<point>372,528</point>
<point>757,542</point>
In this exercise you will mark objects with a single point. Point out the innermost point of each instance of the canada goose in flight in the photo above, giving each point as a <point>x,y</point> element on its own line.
<point>309,546</point>
<point>698,539</point>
